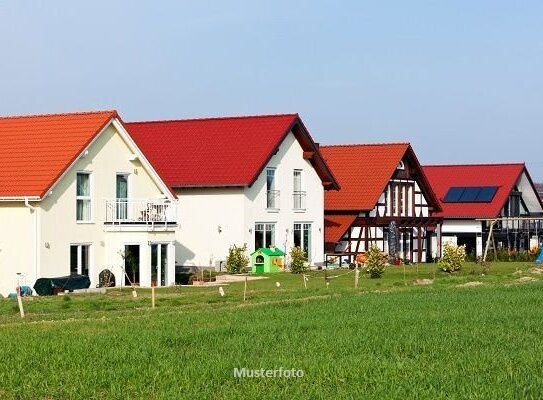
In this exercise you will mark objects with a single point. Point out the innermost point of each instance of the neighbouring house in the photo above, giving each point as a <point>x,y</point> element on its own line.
<point>258,180</point>
<point>380,184</point>
<point>77,196</point>
<point>539,188</point>
<point>472,195</point>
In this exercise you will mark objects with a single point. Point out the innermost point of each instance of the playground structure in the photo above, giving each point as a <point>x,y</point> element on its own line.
<point>520,234</point>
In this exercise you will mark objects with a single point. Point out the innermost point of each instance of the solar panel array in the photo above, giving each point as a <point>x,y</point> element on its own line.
<point>470,194</point>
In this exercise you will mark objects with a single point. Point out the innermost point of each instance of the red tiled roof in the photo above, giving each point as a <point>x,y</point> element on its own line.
<point>363,172</point>
<point>230,151</point>
<point>443,177</point>
<point>335,226</point>
<point>35,150</point>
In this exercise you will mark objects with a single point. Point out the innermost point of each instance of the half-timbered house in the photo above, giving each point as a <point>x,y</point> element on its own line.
<point>382,187</point>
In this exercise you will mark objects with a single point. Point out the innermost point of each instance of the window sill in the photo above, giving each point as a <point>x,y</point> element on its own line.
<point>299,210</point>
<point>84,222</point>
<point>273,210</point>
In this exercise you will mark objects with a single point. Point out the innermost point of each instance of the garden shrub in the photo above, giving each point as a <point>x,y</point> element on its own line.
<point>237,260</point>
<point>298,261</point>
<point>453,257</point>
<point>375,262</point>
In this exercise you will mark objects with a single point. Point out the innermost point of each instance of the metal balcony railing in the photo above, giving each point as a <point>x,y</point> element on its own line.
<point>272,199</point>
<point>299,200</point>
<point>128,211</point>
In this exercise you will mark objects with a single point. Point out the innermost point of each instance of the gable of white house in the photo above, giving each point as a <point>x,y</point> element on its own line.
<point>55,236</point>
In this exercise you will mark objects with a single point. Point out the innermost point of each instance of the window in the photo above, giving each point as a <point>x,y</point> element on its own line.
<point>299,195</point>
<point>272,195</point>
<point>264,235</point>
<point>302,238</point>
<point>83,197</point>
<point>79,259</point>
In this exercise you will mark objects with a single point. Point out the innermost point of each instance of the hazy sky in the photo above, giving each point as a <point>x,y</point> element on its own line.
<point>461,80</point>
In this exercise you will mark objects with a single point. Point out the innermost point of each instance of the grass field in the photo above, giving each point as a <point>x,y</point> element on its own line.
<point>387,339</point>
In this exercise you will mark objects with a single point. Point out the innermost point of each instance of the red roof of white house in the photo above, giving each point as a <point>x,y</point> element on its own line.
<point>36,150</point>
<point>228,151</point>
<point>503,176</point>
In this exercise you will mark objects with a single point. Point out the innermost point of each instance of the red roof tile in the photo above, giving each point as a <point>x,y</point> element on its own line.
<point>336,225</point>
<point>35,150</point>
<point>363,172</point>
<point>443,177</point>
<point>230,151</point>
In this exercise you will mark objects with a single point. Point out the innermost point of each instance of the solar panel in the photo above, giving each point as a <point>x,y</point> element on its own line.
<point>470,194</point>
<point>486,194</point>
<point>453,195</point>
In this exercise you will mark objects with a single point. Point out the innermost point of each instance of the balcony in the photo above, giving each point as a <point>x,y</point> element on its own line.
<point>140,212</point>
<point>299,200</point>
<point>272,200</point>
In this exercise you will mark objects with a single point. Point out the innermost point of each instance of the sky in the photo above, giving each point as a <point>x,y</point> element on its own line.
<point>462,81</point>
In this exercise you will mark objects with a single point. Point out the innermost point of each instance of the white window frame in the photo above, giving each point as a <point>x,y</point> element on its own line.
<point>80,257</point>
<point>266,226</point>
<point>302,227</point>
<point>88,198</point>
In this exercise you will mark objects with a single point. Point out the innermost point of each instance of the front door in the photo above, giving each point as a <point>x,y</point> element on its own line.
<point>122,196</point>
<point>159,264</point>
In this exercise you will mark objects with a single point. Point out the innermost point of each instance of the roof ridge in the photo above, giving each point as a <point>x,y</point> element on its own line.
<point>112,111</point>
<point>215,118</point>
<point>475,164</point>
<point>366,144</point>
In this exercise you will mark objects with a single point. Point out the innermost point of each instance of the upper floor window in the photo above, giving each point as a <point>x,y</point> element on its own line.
<point>272,195</point>
<point>83,197</point>
<point>298,193</point>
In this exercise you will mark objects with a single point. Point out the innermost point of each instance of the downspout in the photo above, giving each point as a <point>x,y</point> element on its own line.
<point>34,211</point>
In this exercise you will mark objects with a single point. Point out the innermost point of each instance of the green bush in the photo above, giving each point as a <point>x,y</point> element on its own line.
<point>375,262</point>
<point>237,260</point>
<point>453,257</point>
<point>298,261</point>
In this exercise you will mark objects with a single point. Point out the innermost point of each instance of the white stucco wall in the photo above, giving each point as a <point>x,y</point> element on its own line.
<point>452,226</point>
<point>17,237</point>
<point>200,242</point>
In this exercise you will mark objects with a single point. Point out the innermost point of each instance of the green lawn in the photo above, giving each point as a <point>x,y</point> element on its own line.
<point>387,339</point>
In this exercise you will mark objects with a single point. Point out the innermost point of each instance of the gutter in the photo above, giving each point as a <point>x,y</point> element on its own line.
<point>35,212</point>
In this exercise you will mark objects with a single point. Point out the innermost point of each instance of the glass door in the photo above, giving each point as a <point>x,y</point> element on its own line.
<point>159,264</point>
<point>122,196</point>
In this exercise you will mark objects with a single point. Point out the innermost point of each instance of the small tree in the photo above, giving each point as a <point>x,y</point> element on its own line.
<point>237,260</point>
<point>453,257</point>
<point>298,261</point>
<point>375,262</point>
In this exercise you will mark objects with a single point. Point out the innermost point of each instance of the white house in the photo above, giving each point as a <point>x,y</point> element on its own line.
<point>471,195</point>
<point>78,196</point>
<point>258,180</point>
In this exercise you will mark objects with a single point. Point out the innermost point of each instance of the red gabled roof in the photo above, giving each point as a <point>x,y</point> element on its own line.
<point>443,177</point>
<point>35,150</point>
<point>335,226</point>
<point>229,151</point>
<point>363,172</point>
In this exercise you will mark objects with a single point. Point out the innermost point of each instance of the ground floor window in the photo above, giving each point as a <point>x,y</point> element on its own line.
<point>264,235</point>
<point>79,259</point>
<point>302,238</point>
<point>159,264</point>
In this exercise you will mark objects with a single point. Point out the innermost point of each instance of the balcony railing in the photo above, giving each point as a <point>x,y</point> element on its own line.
<point>299,200</point>
<point>128,211</point>
<point>272,200</point>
